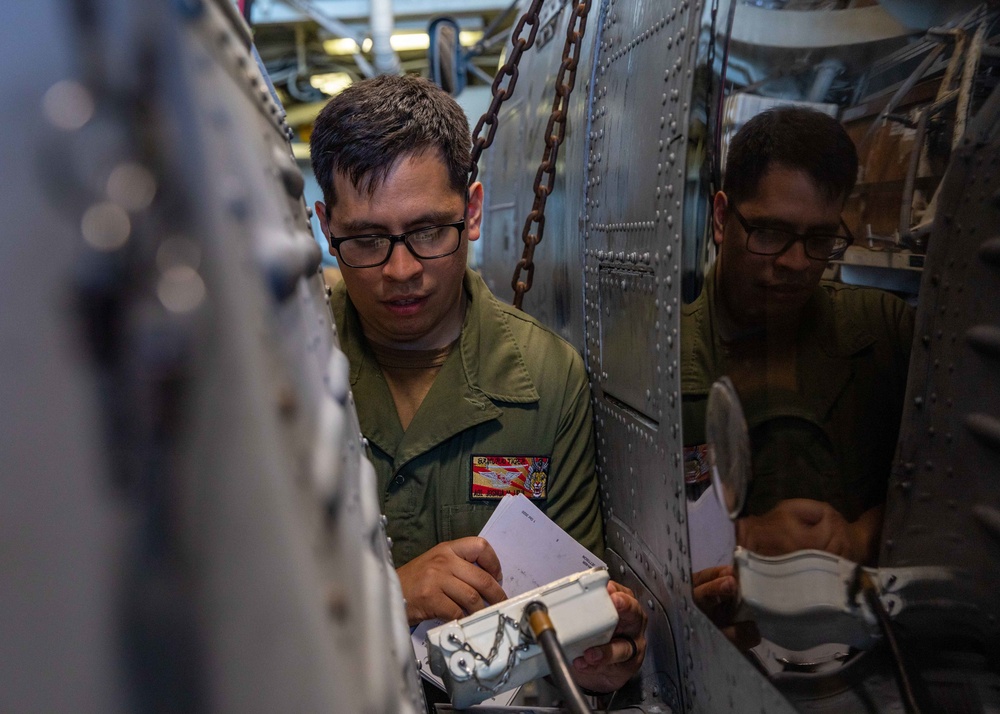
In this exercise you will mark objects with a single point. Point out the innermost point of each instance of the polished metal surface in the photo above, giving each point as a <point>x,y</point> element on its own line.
<point>627,206</point>
<point>188,518</point>
<point>608,279</point>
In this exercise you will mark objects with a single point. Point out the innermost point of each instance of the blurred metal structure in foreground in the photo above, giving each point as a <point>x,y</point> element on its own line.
<point>188,522</point>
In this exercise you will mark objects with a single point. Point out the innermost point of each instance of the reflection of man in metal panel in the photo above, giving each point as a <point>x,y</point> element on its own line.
<point>820,368</point>
<point>462,398</point>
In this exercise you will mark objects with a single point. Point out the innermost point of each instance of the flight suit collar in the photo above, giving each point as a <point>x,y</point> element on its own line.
<point>827,338</point>
<point>493,361</point>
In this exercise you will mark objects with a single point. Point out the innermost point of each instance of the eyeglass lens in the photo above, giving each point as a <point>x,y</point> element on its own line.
<point>770,241</point>
<point>426,243</point>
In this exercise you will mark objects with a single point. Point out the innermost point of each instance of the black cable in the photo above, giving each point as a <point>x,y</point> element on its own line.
<point>541,627</point>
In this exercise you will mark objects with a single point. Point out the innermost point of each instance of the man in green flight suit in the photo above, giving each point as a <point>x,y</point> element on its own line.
<point>820,368</point>
<point>462,399</point>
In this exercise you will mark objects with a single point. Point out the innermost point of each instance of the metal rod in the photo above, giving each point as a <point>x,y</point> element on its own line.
<point>906,689</point>
<point>382,18</point>
<point>545,634</point>
<point>965,84</point>
<point>337,28</point>
<point>906,209</point>
<point>903,90</point>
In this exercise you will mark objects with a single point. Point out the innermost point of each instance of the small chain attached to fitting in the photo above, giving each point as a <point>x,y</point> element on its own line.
<point>503,621</point>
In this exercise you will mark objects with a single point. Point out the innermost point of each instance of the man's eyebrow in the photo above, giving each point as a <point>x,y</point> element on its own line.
<point>362,227</point>
<point>429,218</point>
<point>781,225</point>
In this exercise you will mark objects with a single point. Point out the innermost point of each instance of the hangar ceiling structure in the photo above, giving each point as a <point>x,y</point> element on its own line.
<point>311,47</point>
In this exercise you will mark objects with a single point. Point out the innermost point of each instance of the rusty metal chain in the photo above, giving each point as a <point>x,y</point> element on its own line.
<point>500,93</point>
<point>555,132</point>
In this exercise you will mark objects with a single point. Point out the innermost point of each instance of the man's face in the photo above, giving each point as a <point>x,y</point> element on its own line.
<point>406,303</point>
<point>764,290</point>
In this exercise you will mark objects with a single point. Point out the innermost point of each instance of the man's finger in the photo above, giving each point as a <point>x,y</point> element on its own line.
<point>716,591</point>
<point>444,607</point>
<point>478,550</point>
<point>463,596</point>
<point>709,574</point>
<point>616,587</point>
<point>631,618</point>
<point>616,651</point>
<point>480,580</point>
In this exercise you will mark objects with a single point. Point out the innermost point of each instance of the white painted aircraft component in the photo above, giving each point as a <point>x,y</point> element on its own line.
<point>489,652</point>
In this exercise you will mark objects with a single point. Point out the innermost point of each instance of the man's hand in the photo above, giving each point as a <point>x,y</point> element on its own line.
<point>801,523</point>
<point>716,593</point>
<point>451,580</point>
<point>608,667</point>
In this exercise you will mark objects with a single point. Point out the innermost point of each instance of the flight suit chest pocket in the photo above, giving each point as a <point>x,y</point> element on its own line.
<point>464,519</point>
<point>793,458</point>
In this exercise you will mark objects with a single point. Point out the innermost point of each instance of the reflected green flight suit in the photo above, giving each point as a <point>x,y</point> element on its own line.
<point>834,439</point>
<point>511,391</point>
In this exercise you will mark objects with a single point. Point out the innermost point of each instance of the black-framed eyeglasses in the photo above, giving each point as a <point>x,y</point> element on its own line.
<point>371,251</point>
<point>773,241</point>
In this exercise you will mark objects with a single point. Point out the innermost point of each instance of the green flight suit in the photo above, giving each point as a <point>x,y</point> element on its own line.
<point>511,387</point>
<point>834,439</point>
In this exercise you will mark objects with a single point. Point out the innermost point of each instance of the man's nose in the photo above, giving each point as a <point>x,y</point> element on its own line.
<point>402,264</point>
<point>795,257</point>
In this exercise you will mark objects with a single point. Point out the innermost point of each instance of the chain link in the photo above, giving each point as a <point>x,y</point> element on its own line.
<point>501,93</point>
<point>555,132</point>
<point>503,621</point>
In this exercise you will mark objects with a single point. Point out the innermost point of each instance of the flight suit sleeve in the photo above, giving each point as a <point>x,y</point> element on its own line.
<point>573,500</point>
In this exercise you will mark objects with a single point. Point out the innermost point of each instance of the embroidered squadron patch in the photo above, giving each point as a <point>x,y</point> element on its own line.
<point>697,471</point>
<point>696,468</point>
<point>493,477</point>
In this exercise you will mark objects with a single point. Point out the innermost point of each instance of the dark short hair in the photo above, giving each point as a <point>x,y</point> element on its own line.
<point>797,138</point>
<point>363,131</point>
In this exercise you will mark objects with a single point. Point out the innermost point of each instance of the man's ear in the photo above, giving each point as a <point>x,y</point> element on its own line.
<point>720,205</point>
<point>474,211</point>
<point>324,226</point>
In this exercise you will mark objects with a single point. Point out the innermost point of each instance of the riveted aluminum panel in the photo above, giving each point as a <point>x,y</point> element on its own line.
<point>944,505</point>
<point>628,227</point>
<point>628,334</point>
<point>510,167</point>
<point>621,190</point>
<point>637,163</point>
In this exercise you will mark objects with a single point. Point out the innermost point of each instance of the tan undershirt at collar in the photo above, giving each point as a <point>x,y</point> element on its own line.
<point>410,374</point>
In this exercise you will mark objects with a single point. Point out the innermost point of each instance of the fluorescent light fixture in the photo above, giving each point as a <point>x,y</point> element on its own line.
<point>345,46</point>
<point>410,42</point>
<point>401,42</point>
<point>469,37</point>
<point>332,83</point>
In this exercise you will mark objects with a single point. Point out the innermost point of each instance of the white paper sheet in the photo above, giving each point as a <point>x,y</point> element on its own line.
<point>712,534</point>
